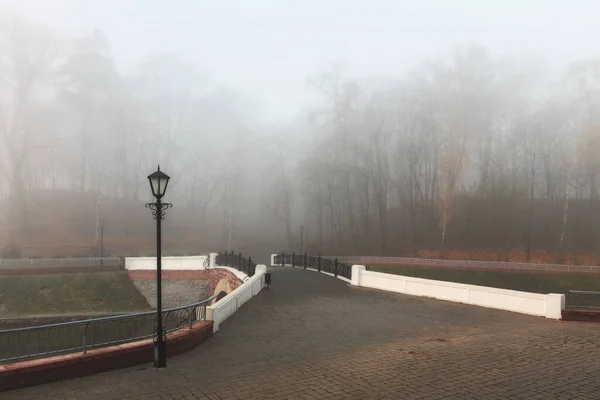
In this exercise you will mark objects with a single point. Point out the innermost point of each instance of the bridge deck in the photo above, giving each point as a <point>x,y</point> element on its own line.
<point>315,337</point>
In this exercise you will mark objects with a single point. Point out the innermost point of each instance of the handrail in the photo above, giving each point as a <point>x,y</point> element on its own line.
<point>583,299</point>
<point>41,341</point>
<point>321,264</point>
<point>233,260</point>
<point>112,318</point>
<point>584,291</point>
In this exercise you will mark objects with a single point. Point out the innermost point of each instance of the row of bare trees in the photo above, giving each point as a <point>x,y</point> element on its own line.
<point>71,122</point>
<point>474,152</point>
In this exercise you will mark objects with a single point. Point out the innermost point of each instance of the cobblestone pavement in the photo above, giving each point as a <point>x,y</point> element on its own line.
<point>315,337</point>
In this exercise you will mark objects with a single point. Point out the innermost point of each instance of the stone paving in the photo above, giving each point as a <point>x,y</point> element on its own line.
<point>315,337</point>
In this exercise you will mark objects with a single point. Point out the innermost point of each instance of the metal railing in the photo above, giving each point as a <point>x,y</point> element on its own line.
<point>80,336</point>
<point>81,262</point>
<point>583,299</point>
<point>363,260</point>
<point>233,260</point>
<point>321,264</point>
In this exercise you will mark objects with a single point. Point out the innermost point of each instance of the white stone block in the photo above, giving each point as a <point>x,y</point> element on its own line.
<point>357,270</point>
<point>213,260</point>
<point>261,268</point>
<point>555,303</point>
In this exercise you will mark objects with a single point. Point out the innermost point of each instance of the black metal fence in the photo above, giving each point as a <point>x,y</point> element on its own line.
<point>583,299</point>
<point>80,336</point>
<point>321,264</point>
<point>237,261</point>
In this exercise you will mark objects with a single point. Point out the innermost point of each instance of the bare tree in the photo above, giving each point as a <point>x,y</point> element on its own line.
<point>29,55</point>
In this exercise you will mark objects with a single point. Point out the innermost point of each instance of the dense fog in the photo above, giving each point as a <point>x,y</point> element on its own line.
<point>375,128</point>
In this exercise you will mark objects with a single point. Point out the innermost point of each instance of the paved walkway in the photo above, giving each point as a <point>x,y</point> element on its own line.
<point>315,337</point>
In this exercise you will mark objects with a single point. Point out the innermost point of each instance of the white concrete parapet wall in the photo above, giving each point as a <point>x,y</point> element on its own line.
<point>213,259</point>
<point>168,263</point>
<point>543,305</point>
<point>229,304</point>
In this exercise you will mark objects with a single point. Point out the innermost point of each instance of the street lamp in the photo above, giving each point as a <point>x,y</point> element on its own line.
<point>158,183</point>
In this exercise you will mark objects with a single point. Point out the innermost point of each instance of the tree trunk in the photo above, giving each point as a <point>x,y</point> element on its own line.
<point>530,219</point>
<point>382,226</point>
<point>413,218</point>
<point>444,221</point>
<point>83,156</point>
<point>367,211</point>
<point>320,217</point>
<point>563,231</point>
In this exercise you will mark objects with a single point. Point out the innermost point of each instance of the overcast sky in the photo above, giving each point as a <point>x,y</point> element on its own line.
<point>267,48</point>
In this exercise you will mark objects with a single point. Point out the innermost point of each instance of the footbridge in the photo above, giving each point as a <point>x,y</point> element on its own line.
<point>328,330</point>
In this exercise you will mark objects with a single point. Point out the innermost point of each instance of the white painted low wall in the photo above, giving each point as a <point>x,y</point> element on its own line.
<point>544,305</point>
<point>173,263</point>
<point>229,304</point>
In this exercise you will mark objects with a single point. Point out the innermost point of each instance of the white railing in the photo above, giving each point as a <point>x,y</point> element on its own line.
<point>366,260</point>
<point>229,304</point>
<point>167,263</point>
<point>75,262</point>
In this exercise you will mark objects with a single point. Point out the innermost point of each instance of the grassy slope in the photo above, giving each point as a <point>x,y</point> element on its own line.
<point>69,293</point>
<point>526,282</point>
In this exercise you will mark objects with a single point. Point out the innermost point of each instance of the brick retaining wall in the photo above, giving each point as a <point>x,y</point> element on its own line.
<point>580,315</point>
<point>218,274</point>
<point>213,275</point>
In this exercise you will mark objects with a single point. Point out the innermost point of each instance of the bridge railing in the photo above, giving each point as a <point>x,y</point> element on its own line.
<point>35,342</point>
<point>321,264</point>
<point>237,261</point>
<point>581,299</point>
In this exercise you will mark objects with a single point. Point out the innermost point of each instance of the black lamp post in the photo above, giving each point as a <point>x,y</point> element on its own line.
<point>158,183</point>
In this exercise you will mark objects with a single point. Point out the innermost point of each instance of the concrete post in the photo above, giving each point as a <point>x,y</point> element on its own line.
<point>213,260</point>
<point>260,268</point>
<point>356,271</point>
<point>555,303</point>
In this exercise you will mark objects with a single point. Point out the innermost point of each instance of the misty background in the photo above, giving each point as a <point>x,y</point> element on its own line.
<point>438,128</point>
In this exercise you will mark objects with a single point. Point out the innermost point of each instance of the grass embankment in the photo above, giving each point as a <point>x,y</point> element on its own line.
<point>69,293</point>
<point>522,281</point>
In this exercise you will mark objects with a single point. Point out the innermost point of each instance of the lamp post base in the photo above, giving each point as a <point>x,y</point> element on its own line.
<point>160,354</point>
